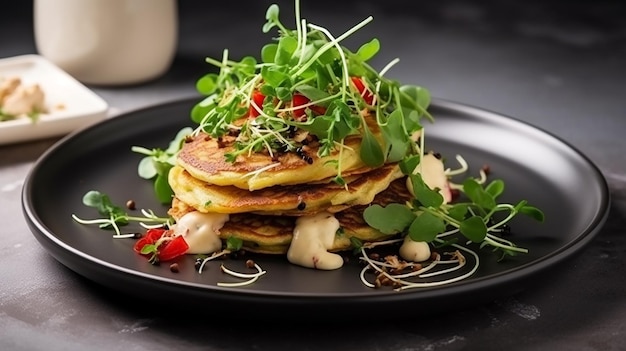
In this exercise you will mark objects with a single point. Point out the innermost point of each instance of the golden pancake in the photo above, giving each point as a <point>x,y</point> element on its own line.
<point>205,159</point>
<point>273,234</point>
<point>295,200</point>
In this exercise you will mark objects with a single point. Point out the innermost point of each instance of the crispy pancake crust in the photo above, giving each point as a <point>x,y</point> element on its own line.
<point>204,158</point>
<point>273,234</point>
<point>295,200</point>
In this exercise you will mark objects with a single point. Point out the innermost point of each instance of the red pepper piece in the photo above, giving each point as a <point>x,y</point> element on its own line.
<point>299,100</point>
<point>173,248</point>
<point>151,236</point>
<point>257,99</point>
<point>167,250</point>
<point>363,90</point>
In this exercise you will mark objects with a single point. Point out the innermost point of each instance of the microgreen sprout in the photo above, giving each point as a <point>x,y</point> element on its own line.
<point>250,277</point>
<point>307,80</point>
<point>115,216</point>
<point>428,218</point>
<point>233,244</point>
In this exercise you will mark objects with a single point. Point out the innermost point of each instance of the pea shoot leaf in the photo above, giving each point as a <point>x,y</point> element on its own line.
<point>426,227</point>
<point>271,16</point>
<point>268,53</point>
<point>371,152</point>
<point>424,194</point>
<point>368,50</point>
<point>396,138</point>
<point>207,84</point>
<point>531,211</point>
<point>409,163</point>
<point>458,211</point>
<point>478,195</point>
<point>313,93</point>
<point>392,219</point>
<point>102,203</point>
<point>162,189</point>
<point>495,188</point>
<point>474,229</point>
<point>286,48</point>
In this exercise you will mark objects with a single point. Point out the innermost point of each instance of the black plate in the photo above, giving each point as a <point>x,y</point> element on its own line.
<point>535,166</point>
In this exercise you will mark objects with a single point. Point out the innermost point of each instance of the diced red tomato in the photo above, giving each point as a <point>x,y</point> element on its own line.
<point>151,236</point>
<point>167,250</point>
<point>299,100</point>
<point>363,90</point>
<point>257,99</point>
<point>173,248</point>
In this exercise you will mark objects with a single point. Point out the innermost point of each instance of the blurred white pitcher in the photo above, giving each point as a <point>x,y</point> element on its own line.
<point>108,42</point>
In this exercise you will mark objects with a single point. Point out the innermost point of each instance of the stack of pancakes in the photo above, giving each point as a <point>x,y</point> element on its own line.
<point>265,193</point>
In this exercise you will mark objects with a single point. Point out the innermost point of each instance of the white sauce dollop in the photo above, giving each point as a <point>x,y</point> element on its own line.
<point>312,237</point>
<point>414,251</point>
<point>201,231</point>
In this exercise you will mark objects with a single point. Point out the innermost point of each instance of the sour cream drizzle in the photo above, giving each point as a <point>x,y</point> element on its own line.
<point>414,251</point>
<point>312,237</point>
<point>201,231</point>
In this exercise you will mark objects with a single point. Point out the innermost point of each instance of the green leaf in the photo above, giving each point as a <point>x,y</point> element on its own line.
<point>245,68</point>
<point>103,204</point>
<point>318,126</point>
<point>458,211</point>
<point>368,50</point>
<point>414,98</point>
<point>495,188</point>
<point>207,84</point>
<point>202,108</point>
<point>396,139</point>
<point>148,249</point>
<point>323,78</point>
<point>161,165</point>
<point>409,163</point>
<point>274,76</point>
<point>478,195</point>
<point>371,152</point>
<point>474,229</point>
<point>286,48</point>
<point>424,194</point>
<point>533,212</point>
<point>312,93</point>
<point>268,90</point>
<point>426,227</point>
<point>162,189</point>
<point>94,198</point>
<point>268,53</point>
<point>146,169</point>
<point>271,16</point>
<point>176,144</point>
<point>284,94</point>
<point>392,219</point>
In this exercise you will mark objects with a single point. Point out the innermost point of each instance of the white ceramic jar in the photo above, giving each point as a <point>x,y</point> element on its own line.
<point>108,42</point>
